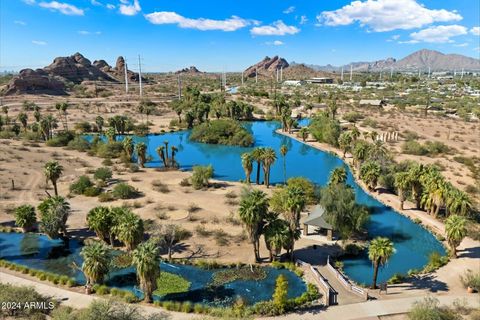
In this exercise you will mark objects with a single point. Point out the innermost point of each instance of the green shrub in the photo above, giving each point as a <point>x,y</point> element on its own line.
<point>187,307</point>
<point>109,150</point>
<point>80,185</point>
<point>471,279</point>
<point>102,290</point>
<point>61,139</point>
<point>435,261</point>
<point>129,297</point>
<point>201,175</point>
<point>103,174</point>
<point>24,296</point>
<point>25,216</point>
<point>429,308</point>
<point>396,279</point>
<point>352,116</point>
<point>198,308</point>
<point>92,191</point>
<point>124,191</point>
<point>106,197</point>
<point>79,144</point>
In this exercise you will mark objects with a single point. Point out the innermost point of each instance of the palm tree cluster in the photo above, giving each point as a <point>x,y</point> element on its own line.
<point>169,161</point>
<point>264,157</point>
<point>196,107</point>
<point>110,223</point>
<point>261,216</point>
<point>54,212</point>
<point>423,184</point>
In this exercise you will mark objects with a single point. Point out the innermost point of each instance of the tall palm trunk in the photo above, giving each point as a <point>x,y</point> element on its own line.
<point>375,273</point>
<point>258,171</point>
<point>55,187</point>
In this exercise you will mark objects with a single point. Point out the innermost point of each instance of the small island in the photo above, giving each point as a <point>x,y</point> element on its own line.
<point>224,131</point>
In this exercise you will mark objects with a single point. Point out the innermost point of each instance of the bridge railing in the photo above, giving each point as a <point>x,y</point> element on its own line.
<point>346,283</point>
<point>330,295</point>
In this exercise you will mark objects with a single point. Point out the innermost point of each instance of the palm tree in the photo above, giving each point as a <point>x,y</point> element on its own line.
<point>345,142</point>
<point>303,133</point>
<point>100,123</point>
<point>379,252</point>
<point>283,152</point>
<point>355,133</point>
<point>247,164</point>
<point>53,170</point>
<point>141,149</point>
<point>54,212</point>
<point>166,150</point>
<point>294,203</point>
<point>37,115</point>
<point>268,157</point>
<point>146,259</point>
<point>96,261</point>
<point>23,118</point>
<point>402,184</point>
<point>173,162</point>
<point>25,217</point>
<point>373,135</point>
<point>339,175</point>
<point>257,155</point>
<point>128,147</point>
<point>276,234</point>
<point>360,152</point>
<point>415,174</point>
<point>252,210</point>
<point>459,203</point>
<point>129,229</point>
<point>161,153</point>
<point>456,230</point>
<point>111,133</point>
<point>370,172</point>
<point>102,220</point>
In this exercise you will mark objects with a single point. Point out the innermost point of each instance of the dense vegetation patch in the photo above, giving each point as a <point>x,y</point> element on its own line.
<point>168,283</point>
<point>227,132</point>
<point>226,276</point>
<point>430,148</point>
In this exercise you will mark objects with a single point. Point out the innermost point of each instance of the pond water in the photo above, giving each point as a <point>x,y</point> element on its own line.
<point>39,252</point>
<point>413,243</point>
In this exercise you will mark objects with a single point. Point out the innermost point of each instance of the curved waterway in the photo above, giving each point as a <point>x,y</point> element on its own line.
<point>413,243</point>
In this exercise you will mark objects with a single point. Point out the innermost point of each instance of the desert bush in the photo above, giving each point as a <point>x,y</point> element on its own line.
<point>103,174</point>
<point>80,185</point>
<point>124,191</point>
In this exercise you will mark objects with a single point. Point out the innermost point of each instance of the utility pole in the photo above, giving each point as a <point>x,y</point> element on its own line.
<point>276,70</point>
<point>351,73</point>
<point>454,72</point>
<point>461,77</point>
<point>126,76</point>
<point>341,77</point>
<point>429,72</point>
<point>140,76</point>
<point>179,87</point>
<point>242,78</point>
<point>391,73</point>
<point>256,75</point>
<point>281,74</point>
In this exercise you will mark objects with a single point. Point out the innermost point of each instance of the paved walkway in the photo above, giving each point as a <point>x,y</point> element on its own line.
<point>344,296</point>
<point>78,300</point>
<point>373,309</point>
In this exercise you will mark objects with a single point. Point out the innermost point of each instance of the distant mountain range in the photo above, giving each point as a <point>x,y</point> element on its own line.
<point>422,59</point>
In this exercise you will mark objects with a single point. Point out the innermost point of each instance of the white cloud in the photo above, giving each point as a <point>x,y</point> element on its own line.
<point>20,22</point>
<point>278,28</point>
<point>110,6</point>
<point>87,33</point>
<point>39,43</point>
<point>289,10</point>
<point>386,15</point>
<point>275,43</point>
<point>166,17</point>
<point>475,31</point>
<point>128,8</point>
<point>63,8</point>
<point>438,34</point>
<point>395,37</point>
<point>95,3</point>
<point>465,44</point>
<point>30,2</point>
<point>303,19</point>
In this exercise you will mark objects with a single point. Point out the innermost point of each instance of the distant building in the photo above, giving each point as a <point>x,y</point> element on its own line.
<point>372,103</point>
<point>294,83</point>
<point>321,80</point>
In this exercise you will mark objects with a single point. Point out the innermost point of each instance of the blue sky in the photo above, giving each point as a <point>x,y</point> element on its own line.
<point>230,35</point>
